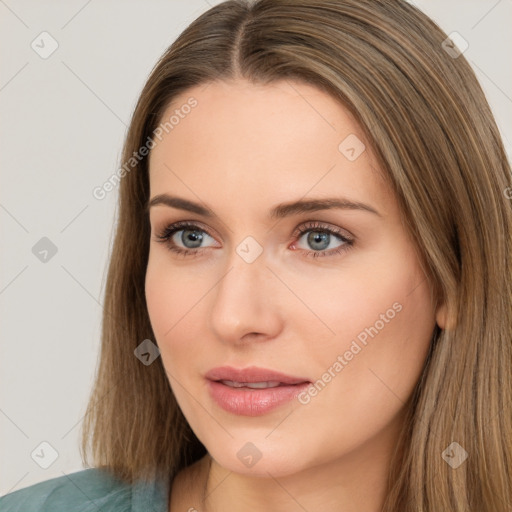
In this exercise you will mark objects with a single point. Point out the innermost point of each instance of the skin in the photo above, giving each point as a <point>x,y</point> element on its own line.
<point>243,149</point>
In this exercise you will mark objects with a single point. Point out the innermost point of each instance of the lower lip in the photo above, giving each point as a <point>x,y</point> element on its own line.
<point>253,402</point>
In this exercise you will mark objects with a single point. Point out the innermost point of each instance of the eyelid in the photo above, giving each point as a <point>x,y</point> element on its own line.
<point>183,224</point>
<point>322,226</point>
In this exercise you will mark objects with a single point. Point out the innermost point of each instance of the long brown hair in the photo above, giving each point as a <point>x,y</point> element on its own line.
<point>439,147</point>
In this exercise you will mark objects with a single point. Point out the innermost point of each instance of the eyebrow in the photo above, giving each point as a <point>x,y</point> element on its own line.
<point>277,212</point>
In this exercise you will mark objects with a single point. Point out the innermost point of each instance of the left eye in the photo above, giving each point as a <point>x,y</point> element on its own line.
<point>320,240</point>
<point>319,237</point>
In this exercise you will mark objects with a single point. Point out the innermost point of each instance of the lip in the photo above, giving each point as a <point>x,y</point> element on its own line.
<point>252,374</point>
<point>252,402</point>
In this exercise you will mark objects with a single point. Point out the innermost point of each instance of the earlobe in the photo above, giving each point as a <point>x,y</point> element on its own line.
<point>443,320</point>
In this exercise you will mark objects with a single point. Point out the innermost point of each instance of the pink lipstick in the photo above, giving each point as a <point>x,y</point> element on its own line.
<point>252,391</point>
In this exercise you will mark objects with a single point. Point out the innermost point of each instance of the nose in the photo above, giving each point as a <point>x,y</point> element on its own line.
<point>244,305</point>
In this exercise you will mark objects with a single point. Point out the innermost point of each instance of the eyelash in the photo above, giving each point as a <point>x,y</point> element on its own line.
<point>165,237</point>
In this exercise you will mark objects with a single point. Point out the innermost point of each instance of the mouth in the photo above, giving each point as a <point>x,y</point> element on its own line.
<point>252,391</point>
<point>252,385</point>
<point>252,375</point>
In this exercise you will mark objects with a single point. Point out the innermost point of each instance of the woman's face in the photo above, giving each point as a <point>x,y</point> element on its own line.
<point>331,296</point>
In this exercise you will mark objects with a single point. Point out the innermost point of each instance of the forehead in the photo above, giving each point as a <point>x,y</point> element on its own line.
<point>241,142</point>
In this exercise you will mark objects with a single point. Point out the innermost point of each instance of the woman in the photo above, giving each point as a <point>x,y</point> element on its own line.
<point>308,304</point>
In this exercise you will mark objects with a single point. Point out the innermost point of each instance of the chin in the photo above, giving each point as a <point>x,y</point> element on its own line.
<point>260,457</point>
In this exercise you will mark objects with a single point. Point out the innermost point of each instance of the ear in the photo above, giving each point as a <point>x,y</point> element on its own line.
<point>443,319</point>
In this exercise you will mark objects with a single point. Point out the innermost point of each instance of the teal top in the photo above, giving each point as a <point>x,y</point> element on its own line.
<point>89,490</point>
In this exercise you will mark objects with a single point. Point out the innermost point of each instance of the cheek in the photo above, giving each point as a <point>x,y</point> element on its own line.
<point>383,320</point>
<point>174,306</point>
<point>161,299</point>
<point>366,372</point>
<point>174,303</point>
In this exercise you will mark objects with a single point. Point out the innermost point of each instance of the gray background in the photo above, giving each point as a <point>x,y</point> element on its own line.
<point>63,123</point>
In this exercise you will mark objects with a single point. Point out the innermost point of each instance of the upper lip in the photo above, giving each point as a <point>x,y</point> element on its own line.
<point>251,374</point>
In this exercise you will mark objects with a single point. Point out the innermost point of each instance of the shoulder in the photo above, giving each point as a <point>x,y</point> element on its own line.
<point>88,490</point>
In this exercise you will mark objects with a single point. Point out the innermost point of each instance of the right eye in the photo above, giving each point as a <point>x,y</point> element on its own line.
<point>190,234</point>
